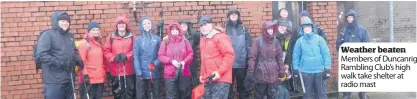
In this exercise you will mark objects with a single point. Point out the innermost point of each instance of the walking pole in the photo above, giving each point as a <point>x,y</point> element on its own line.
<point>124,72</point>
<point>302,82</point>
<point>86,89</point>
<point>72,84</point>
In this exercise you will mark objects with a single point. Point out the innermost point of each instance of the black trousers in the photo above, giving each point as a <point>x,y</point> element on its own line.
<point>239,75</point>
<point>118,87</point>
<point>95,91</point>
<point>216,90</point>
<point>142,88</point>
<point>58,91</point>
<point>178,88</point>
<point>269,90</point>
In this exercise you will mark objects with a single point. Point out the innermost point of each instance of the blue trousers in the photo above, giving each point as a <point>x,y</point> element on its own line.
<point>314,84</point>
<point>216,90</point>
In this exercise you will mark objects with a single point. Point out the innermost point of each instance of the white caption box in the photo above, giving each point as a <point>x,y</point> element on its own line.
<point>371,67</point>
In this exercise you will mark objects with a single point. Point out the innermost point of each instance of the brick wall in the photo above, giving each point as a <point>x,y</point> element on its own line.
<point>375,17</point>
<point>22,22</point>
<point>324,14</point>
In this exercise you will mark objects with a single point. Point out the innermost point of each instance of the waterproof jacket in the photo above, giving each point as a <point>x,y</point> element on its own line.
<point>55,46</point>
<point>285,43</point>
<point>241,39</point>
<point>175,48</point>
<point>311,54</point>
<point>217,55</point>
<point>270,63</point>
<point>146,49</point>
<point>91,53</point>
<point>116,44</point>
<point>352,32</point>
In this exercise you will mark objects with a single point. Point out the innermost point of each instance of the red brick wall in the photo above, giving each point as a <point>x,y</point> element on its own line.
<point>22,22</point>
<point>324,14</point>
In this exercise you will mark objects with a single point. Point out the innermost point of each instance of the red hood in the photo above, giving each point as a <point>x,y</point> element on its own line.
<point>123,19</point>
<point>177,37</point>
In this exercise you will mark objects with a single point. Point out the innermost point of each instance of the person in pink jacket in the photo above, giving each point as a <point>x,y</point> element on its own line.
<point>176,54</point>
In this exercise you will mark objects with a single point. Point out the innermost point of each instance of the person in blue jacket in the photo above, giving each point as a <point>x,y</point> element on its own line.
<point>311,58</point>
<point>352,32</point>
<point>146,62</point>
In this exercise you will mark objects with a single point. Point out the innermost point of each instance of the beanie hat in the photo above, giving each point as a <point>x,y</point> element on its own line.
<point>304,13</point>
<point>64,17</point>
<point>92,25</point>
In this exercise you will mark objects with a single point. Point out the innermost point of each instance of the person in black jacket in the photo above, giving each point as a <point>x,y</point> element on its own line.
<point>58,56</point>
<point>241,42</point>
<point>194,38</point>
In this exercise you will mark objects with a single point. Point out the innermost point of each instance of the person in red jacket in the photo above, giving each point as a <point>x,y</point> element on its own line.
<point>93,74</point>
<point>176,54</point>
<point>118,50</point>
<point>217,57</point>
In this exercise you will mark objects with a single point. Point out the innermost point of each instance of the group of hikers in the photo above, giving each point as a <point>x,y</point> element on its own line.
<point>228,54</point>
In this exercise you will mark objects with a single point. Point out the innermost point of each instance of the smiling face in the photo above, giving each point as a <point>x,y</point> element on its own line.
<point>282,29</point>
<point>206,28</point>
<point>184,26</point>
<point>307,29</point>
<point>95,32</point>
<point>233,16</point>
<point>174,31</point>
<point>270,31</point>
<point>64,24</point>
<point>121,27</point>
<point>147,25</point>
<point>350,19</point>
<point>284,13</point>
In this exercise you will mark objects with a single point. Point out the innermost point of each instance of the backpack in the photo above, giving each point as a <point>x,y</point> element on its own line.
<point>34,47</point>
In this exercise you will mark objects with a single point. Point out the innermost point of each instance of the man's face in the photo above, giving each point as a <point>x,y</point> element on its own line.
<point>234,16</point>
<point>206,28</point>
<point>95,32</point>
<point>270,31</point>
<point>303,18</point>
<point>307,29</point>
<point>64,24</point>
<point>282,29</point>
<point>121,27</point>
<point>284,13</point>
<point>147,25</point>
<point>350,19</point>
<point>184,26</point>
<point>174,31</point>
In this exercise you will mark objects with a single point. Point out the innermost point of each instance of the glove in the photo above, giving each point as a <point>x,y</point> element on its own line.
<point>248,81</point>
<point>86,79</point>
<point>108,75</point>
<point>326,74</point>
<point>175,63</point>
<point>295,74</point>
<point>123,58</point>
<point>117,58</point>
<point>80,64</point>
<point>282,76</point>
<point>151,66</point>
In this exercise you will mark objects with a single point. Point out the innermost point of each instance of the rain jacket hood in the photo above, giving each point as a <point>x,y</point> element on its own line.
<point>178,37</point>
<point>142,29</point>
<point>55,19</point>
<point>352,12</point>
<point>233,10</point>
<point>265,34</point>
